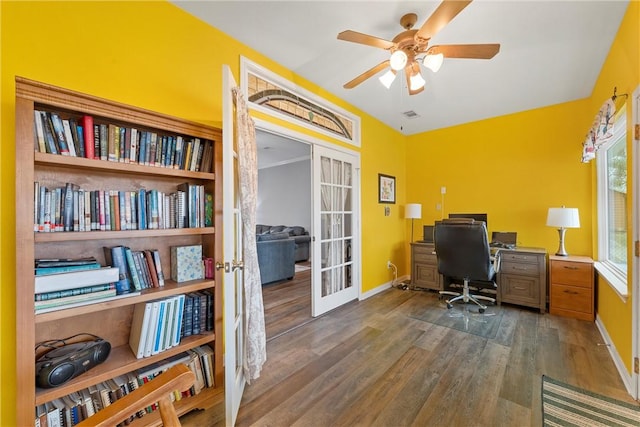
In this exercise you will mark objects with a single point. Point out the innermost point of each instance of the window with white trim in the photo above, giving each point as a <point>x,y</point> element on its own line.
<point>611,165</point>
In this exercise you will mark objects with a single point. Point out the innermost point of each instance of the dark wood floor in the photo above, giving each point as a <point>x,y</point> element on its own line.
<point>287,304</point>
<point>371,363</point>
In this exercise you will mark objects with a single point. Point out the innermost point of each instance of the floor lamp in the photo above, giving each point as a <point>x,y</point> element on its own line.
<point>413,211</point>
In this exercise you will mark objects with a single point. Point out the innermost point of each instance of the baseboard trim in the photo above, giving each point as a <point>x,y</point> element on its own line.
<point>381,288</point>
<point>615,356</point>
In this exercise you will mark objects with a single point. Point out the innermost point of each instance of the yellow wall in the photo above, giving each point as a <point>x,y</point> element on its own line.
<point>512,167</point>
<point>151,55</point>
<point>622,71</point>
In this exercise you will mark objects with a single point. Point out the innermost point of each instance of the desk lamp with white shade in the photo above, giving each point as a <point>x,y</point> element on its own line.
<point>413,211</point>
<point>563,218</point>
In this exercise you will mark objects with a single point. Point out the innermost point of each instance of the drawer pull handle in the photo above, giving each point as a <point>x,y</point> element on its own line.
<point>570,292</point>
<point>520,288</point>
<point>570,268</point>
<point>520,268</point>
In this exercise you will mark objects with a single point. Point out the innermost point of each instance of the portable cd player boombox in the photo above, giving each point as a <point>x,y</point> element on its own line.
<point>61,364</point>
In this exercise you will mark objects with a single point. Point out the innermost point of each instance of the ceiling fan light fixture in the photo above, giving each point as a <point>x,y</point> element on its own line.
<point>387,78</point>
<point>416,81</point>
<point>433,62</point>
<point>398,60</point>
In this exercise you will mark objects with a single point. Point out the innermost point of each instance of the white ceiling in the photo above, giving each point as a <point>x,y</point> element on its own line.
<point>551,52</point>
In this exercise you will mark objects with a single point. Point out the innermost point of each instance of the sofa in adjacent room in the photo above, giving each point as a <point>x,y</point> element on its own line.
<point>276,260</point>
<point>297,233</point>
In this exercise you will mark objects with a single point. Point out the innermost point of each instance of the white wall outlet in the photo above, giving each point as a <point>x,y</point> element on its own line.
<point>438,206</point>
<point>443,190</point>
<point>388,264</point>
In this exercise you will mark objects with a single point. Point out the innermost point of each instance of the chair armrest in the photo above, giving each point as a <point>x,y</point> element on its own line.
<point>178,377</point>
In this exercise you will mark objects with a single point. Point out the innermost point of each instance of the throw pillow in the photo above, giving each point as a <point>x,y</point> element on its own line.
<point>271,236</point>
<point>295,230</point>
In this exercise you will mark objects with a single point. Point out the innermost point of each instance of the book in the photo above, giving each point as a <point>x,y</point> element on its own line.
<point>43,271</point>
<point>58,132</point>
<point>86,122</point>
<point>178,323</point>
<point>41,144</point>
<point>57,302</point>
<point>64,262</point>
<point>49,135</point>
<point>152,268</point>
<point>75,279</point>
<point>158,343</point>
<point>82,303</point>
<point>153,326</point>
<point>158,265</point>
<point>72,292</point>
<point>139,328</point>
<point>69,137</point>
<point>133,271</point>
<point>115,256</point>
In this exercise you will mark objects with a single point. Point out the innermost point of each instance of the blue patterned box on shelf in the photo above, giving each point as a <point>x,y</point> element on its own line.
<point>186,263</point>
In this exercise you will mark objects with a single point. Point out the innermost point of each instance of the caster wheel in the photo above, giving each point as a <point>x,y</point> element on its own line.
<point>449,306</point>
<point>481,310</point>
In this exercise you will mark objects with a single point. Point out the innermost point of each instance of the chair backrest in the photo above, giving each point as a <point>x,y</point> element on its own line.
<point>178,377</point>
<point>462,249</point>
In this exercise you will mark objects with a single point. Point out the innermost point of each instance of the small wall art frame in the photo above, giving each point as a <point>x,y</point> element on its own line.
<point>386,189</point>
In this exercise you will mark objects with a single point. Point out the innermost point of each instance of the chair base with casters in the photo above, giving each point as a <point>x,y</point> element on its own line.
<point>466,296</point>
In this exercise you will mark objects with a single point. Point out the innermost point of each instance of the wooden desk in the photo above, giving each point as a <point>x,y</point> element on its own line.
<point>522,279</point>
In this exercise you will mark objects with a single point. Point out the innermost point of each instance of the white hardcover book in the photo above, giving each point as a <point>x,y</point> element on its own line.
<point>75,279</point>
<point>153,326</point>
<point>140,328</point>
<point>178,323</point>
<point>157,344</point>
<point>169,324</point>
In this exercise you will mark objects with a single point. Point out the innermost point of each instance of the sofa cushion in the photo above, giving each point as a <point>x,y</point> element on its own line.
<point>271,236</point>
<point>262,229</point>
<point>277,229</point>
<point>295,230</point>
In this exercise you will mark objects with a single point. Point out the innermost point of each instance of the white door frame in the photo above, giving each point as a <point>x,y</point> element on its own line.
<point>635,217</point>
<point>284,132</point>
<point>233,297</point>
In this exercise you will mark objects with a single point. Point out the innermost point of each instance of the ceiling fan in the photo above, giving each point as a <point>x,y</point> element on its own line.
<point>411,47</point>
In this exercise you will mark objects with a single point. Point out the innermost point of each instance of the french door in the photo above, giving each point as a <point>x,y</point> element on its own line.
<point>233,318</point>
<point>335,274</point>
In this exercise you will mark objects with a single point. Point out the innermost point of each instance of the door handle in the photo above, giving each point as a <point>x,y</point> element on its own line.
<point>225,266</point>
<point>235,265</point>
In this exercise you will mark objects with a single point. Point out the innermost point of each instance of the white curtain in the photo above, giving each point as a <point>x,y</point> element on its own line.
<point>255,347</point>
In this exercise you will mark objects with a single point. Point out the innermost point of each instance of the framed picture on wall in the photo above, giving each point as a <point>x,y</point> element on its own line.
<point>386,188</point>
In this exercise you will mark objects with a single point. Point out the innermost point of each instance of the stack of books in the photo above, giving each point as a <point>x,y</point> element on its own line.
<point>71,282</point>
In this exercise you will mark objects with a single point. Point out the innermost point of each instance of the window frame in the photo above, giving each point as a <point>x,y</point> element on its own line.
<point>611,271</point>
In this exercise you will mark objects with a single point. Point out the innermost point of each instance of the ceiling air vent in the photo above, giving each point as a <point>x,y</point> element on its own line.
<point>410,114</point>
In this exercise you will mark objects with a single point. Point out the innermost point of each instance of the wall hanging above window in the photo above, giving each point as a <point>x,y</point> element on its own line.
<point>602,129</point>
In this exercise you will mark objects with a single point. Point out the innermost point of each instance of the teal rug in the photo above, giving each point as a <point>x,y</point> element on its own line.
<point>565,405</point>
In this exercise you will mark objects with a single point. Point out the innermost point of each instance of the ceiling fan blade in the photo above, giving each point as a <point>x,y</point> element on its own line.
<point>355,37</point>
<point>447,10</point>
<point>367,74</point>
<point>472,51</point>
<point>407,73</point>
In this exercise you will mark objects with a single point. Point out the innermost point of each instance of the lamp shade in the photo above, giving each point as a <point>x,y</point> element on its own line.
<point>413,211</point>
<point>563,217</point>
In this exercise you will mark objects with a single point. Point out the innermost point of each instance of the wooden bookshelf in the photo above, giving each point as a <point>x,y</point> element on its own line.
<point>110,320</point>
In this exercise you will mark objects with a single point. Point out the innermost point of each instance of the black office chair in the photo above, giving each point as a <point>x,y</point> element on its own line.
<point>463,253</point>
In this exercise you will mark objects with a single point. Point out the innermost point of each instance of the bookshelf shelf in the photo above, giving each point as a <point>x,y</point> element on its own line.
<point>120,361</point>
<point>169,289</point>
<point>128,168</point>
<point>67,236</point>
<point>109,319</point>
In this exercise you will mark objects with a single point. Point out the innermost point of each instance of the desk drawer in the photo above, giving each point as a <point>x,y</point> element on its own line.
<point>519,290</point>
<point>572,298</point>
<point>425,258</point>
<point>519,268</point>
<point>571,273</point>
<point>423,250</point>
<point>507,256</point>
